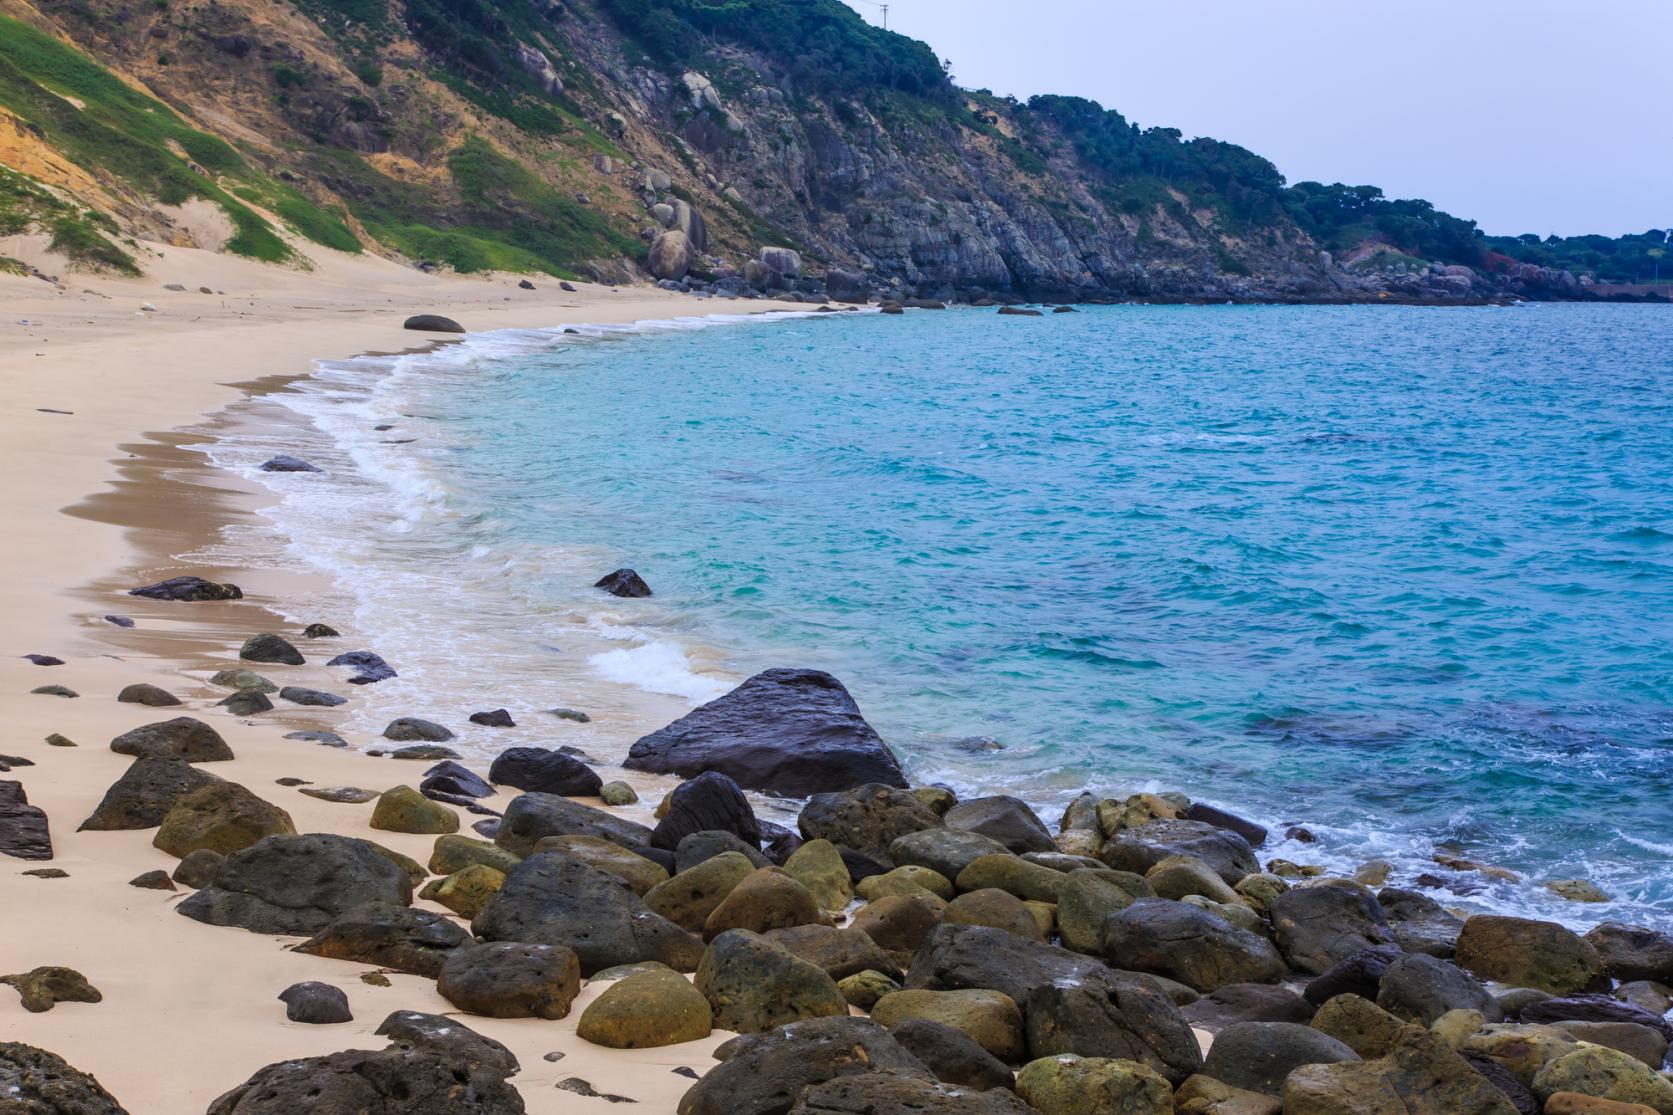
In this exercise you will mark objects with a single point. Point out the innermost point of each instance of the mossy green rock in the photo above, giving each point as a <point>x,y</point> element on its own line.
<point>404,809</point>
<point>753,985</point>
<point>767,899</point>
<point>906,880</point>
<point>243,679</point>
<point>1177,877</point>
<point>996,909</point>
<point>691,896</point>
<point>1525,953</point>
<point>630,867</point>
<point>467,890</point>
<point>864,989</point>
<point>990,1018</point>
<point>1594,1070</point>
<point>1260,889</point>
<point>1520,1050</point>
<point>618,793</point>
<point>819,867</point>
<point>1359,1024</point>
<point>938,798</point>
<point>1071,1085</point>
<point>1014,876</point>
<point>222,817</point>
<point>647,1009</point>
<point>43,988</point>
<point>455,853</point>
<point>1087,897</point>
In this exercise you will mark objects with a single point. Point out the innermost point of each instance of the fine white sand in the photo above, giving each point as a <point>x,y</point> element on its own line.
<point>189,1010</point>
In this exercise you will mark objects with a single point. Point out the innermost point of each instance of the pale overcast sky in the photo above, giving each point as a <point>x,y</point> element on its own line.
<point>1526,115</point>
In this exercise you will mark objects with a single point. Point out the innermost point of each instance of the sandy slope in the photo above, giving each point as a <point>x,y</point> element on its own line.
<point>189,1010</point>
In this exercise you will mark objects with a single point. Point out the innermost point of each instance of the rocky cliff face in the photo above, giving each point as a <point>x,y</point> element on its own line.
<point>544,138</point>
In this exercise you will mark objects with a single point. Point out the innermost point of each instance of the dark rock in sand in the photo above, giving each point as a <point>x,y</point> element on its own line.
<point>764,1074</point>
<point>790,732</point>
<point>36,1082</point>
<point>358,1080</point>
<point>509,979</point>
<point>432,323</point>
<point>1322,923</point>
<point>524,284</point>
<point>371,667</point>
<point>754,985</point>
<point>43,660</point>
<point>623,582</point>
<point>417,1032</point>
<point>341,795</point>
<point>1006,819</point>
<point>1420,988</point>
<point>23,827</point>
<point>43,988</point>
<point>55,691</point>
<point>319,631</point>
<point>120,621</point>
<point>408,728</point>
<point>530,817</point>
<point>200,869</point>
<point>1247,1002</point>
<point>268,647</point>
<point>498,718</point>
<point>188,588</point>
<point>1419,923</point>
<point>246,702</point>
<point>1141,848</point>
<point>711,802</point>
<point>952,1055</point>
<point>552,899</point>
<point>147,790</point>
<point>1209,815</point>
<point>284,462</point>
<point>1632,952</point>
<point>152,880</point>
<point>421,753</point>
<point>325,739</point>
<point>866,819</point>
<point>701,846</point>
<point>183,738</point>
<point>7,762</point>
<point>1112,1015</point>
<point>389,936</point>
<point>545,772</point>
<point>315,1003</point>
<point>143,694</point>
<point>449,777</point>
<point>1189,944</point>
<point>318,698</point>
<point>298,884</point>
<point>1360,974</point>
<point>1259,1056</point>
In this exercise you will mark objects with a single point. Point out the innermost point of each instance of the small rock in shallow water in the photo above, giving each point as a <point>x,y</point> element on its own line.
<point>284,462</point>
<point>1577,890</point>
<point>317,698</point>
<point>242,679</point>
<point>407,728</point>
<point>570,714</point>
<point>449,779</point>
<point>623,582</point>
<point>188,588</point>
<point>424,752</point>
<point>120,621</point>
<point>246,702</point>
<point>152,880</point>
<point>618,793</point>
<point>324,739</point>
<point>315,1003</point>
<point>319,631</point>
<point>498,718</point>
<point>55,691</point>
<point>44,988</point>
<point>44,660</point>
<point>268,647</point>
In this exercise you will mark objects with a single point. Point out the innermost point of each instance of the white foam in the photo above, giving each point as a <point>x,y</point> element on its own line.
<point>658,667</point>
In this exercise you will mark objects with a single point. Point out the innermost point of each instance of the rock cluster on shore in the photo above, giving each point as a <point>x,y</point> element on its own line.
<point>899,950</point>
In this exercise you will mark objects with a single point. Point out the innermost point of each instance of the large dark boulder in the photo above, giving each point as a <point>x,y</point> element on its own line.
<point>952,1055</point>
<point>414,1031</point>
<point>369,667</point>
<point>1596,1008</point>
<point>550,899</point>
<point>1141,848</point>
<point>625,583</point>
<point>1632,952</point>
<point>957,957</point>
<point>789,732</point>
<point>35,1082</point>
<point>432,323</point>
<point>878,1092</point>
<point>530,817</point>
<point>298,884</point>
<point>1209,815</point>
<point>764,1074</point>
<point>388,936</point>
<point>509,979</point>
<point>23,827</point>
<point>1006,819</point>
<point>1523,952</point>
<point>184,738</point>
<point>392,1081</point>
<point>1188,944</point>
<point>1323,923</point>
<point>188,588</point>
<point>1247,1002</point>
<point>711,802</point>
<point>1120,1016</point>
<point>1259,1056</point>
<point>1419,923</point>
<point>1420,988</point>
<point>753,985</point>
<point>545,772</point>
<point>866,819</point>
<point>1360,974</point>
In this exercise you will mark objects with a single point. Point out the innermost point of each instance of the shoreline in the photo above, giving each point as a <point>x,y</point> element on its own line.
<point>108,490</point>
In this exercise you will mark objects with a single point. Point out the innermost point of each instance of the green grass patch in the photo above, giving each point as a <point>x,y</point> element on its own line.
<point>81,235</point>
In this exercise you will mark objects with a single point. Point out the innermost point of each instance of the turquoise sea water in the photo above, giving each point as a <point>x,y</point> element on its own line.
<point>1402,576</point>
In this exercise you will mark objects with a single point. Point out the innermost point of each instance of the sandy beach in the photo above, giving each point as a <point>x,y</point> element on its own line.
<point>100,499</point>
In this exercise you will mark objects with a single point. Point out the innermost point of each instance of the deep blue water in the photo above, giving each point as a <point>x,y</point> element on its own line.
<point>1404,576</point>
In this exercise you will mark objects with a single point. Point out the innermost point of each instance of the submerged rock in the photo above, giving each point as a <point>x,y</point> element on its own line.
<point>625,583</point>
<point>790,732</point>
<point>188,588</point>
<point>284,462</point>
